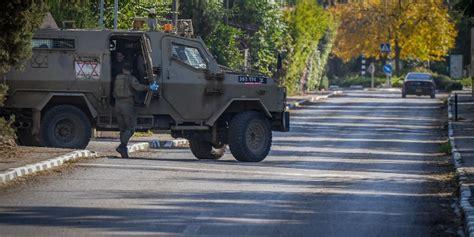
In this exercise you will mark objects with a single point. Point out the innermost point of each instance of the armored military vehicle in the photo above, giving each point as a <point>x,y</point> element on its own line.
<point>65,91</point>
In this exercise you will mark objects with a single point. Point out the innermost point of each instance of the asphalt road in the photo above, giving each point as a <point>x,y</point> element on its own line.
<point>367,164</point>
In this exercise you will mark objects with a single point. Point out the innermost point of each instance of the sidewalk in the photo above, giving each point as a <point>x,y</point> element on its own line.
<point>296,101</point>
<point>461,134</point>
<point>21,161</point>
<point>24,155</point>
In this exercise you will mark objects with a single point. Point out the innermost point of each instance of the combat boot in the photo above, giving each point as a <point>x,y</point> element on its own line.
<point>122,150</point>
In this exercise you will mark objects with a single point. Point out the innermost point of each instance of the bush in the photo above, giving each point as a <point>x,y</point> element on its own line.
<point>445,83</point>
<point>358,80</point>
<point>466,82</point>
<point>7,133</point>
<point>324,83</point>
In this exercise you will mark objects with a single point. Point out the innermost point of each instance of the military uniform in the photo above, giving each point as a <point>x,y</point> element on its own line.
<point>125,88</point>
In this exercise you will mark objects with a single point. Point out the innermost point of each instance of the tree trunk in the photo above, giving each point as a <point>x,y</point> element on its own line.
<point>397,57</point>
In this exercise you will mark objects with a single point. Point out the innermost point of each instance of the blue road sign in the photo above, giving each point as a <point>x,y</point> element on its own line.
<point>387,68</point>
<point>385,48</point>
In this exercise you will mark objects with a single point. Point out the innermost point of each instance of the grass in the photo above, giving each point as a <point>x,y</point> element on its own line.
<point>143,134</point>
<point>445,148</point>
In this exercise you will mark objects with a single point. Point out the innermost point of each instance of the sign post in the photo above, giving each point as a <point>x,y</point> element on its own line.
<point>372,72</point>
<point>385,49</point>
<point>362,67</point>
<point>387,69</point>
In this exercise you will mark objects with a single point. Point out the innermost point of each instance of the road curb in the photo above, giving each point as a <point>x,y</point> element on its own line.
<point>157,144</point>
<point>299,103</point>
<point>464,190</point>
<point>14,173</point>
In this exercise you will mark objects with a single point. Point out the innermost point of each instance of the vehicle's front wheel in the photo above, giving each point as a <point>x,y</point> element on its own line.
<point>250,137</point>
<point>203,150</point>
<point>433,95</point>
<point>65,126</point>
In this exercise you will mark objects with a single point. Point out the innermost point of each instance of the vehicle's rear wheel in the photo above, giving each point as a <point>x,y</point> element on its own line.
<point>203,150</point>
<point>404,95</point>
<point>65,126</point>
<point>250,137</point>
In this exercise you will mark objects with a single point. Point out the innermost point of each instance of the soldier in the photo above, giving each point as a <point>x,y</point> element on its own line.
<point>118,64</point>
<point>126,85</point>
<point>152,24</point>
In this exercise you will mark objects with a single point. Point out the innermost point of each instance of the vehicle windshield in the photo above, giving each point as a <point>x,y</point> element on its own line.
<point>189,55</point>
<point>418,76</point>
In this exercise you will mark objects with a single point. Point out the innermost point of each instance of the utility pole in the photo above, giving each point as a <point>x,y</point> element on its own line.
<point>101,14</point>
<point>226,17</point>
<point>115,14</point>
<point>174,9</point>
<point>472,61</point>
<point>362,66</point>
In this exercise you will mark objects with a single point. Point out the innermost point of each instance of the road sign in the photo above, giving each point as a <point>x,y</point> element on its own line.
<point>385,48</point>
<point>371,68</point>
<point>387,68</point>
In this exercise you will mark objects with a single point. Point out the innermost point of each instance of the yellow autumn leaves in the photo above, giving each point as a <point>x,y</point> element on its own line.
<point>416,29</point>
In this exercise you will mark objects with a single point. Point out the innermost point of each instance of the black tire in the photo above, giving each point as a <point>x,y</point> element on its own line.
<point>433,95</point>
<point>203,150</point>
<point>65,126</point>
<point>250,137</point>
<point>404,95</point>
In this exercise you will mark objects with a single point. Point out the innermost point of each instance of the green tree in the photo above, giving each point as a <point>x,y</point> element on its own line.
<point>207,15</point>
<point>223,44</point>
<point>223,40</point>
<point>308,24</point>
<point>83,12</point>
<point>271,36</point>
<point>18,20</point>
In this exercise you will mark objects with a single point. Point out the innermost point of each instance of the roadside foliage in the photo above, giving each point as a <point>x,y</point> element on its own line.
<point>18,21</point>
<point>421,30</point>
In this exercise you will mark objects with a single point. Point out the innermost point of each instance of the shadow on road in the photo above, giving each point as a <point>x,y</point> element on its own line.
<point>348,166</point>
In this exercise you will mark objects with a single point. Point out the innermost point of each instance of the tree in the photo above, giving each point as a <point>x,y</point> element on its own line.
<point>224,45</point>
<point>83,12</point>
<point>421,30</point>
<point>308,23</point>
<point>18,20</point>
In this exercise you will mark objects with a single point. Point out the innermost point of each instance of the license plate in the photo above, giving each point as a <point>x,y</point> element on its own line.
<point>252,79</point>
<point>418,90</point>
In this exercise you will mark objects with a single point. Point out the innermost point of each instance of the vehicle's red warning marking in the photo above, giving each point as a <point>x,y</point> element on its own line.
<point>87,69</point>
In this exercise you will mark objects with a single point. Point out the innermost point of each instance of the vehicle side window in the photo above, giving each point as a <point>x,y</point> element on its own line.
<point>189,55</point>
<point>53,43</point>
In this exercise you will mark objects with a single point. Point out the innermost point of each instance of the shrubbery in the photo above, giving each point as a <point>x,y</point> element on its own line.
<point>445,83</point>
<point>7,133</point>
<point>466,82</point>
<point>442,82</point>
<point>358,80</point>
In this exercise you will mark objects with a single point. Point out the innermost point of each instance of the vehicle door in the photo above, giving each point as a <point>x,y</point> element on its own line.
<point>186,84</point>
<point>150,77</point>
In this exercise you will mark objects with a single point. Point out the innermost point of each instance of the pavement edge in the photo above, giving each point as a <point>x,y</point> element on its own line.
<point>299,103</point>
<point>14,173</point>
<point>157,144</point>
<point>464,190</point>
